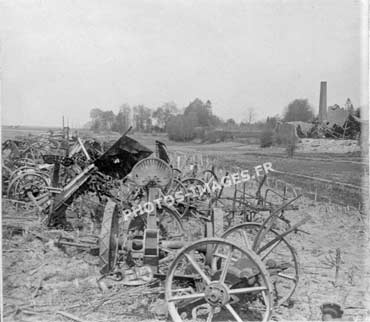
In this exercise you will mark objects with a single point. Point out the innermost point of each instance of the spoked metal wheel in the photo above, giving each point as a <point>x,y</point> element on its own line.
<point>28,186</point>
<point>210,177</point>
<point>176,173</point>
<point>170,225</point>
<point>216,280</point>
<point>22,170</point>
<point>171,231</point>
<point>280,258</point>
<point>179,193</point>
<point>196,189</point>
<point>175,186</point>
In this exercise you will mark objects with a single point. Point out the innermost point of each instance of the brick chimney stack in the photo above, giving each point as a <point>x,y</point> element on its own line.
<point>323,114</point>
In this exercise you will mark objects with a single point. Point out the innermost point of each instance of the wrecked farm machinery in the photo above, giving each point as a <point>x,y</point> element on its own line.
<point>216,255</point>
<point>240,275</point>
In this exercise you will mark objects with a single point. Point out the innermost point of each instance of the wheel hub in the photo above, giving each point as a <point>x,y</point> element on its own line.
<point>35,191</point>
<point>217,294</point>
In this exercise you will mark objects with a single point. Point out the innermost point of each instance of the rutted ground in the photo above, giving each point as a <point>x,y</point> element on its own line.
<point>40,280</point>
<point>331,227</point>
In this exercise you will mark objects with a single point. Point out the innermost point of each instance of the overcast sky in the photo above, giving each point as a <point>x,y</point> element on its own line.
<point>67,57</point>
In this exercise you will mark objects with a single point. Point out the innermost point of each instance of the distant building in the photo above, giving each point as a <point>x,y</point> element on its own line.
<point>337,115</point>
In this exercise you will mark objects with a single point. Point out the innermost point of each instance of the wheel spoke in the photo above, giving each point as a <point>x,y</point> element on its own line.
<point>245,238</point>
<point>175,235</point>
<point>233,312</point>
<point>176,187</point>
<point>271,249</point>
<point>264,298</point>
<point>226,266</point>
<point>186,297</point>
<point>288,277</point>
<point>210,315</point>
<point>197,268</point>
<point>222,256</point>
<point>247,289</point>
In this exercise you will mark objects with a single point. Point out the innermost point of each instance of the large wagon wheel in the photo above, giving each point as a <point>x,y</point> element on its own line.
<point>176,173</point>
<point>21,170</point>
<point>233,286</point>
<point>197,189</point>
<point>28,186</point>
<point>28,169</point>
<point>169,224</point>
<point>280,259</point>
<point>210,176</point>
<point>175,186</point>
<point>179,193</point>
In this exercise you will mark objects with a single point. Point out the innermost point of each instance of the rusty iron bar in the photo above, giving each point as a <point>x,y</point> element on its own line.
<point>281,236</point>
<point>84,149</point>
<point>268,222</point>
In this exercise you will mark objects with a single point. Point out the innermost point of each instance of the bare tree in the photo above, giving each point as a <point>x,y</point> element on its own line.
<point>164,113</point>
<point>141,115</point>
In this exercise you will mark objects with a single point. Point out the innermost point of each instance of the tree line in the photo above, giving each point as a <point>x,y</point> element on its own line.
<point>193,120</point>
<point>165,118</point>
<point>140,117</point>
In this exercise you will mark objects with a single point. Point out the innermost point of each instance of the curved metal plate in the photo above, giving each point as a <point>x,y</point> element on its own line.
<point>151,172</point>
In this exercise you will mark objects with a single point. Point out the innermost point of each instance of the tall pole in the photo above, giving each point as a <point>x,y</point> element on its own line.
<point>67,139</point>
